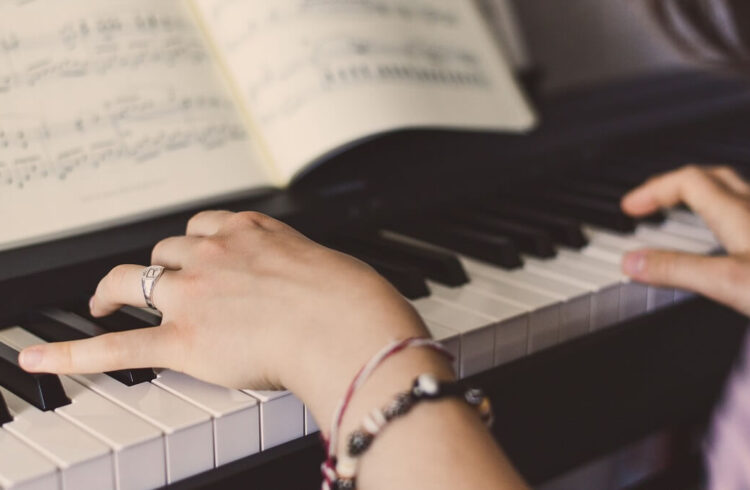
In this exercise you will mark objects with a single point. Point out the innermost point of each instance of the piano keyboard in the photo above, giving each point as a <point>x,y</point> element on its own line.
<point>494,280</point>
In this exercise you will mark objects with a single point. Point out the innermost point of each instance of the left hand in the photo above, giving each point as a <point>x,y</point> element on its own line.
<point>248,302</point>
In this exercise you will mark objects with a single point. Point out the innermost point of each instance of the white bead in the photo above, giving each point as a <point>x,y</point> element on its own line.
<point>427,384</point>
<point>346,467</point>
<point>377,416</point>
<point>370,425</point>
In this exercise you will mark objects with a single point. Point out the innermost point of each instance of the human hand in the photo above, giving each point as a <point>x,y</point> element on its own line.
<point>247,302</point>
<point>722,198</point>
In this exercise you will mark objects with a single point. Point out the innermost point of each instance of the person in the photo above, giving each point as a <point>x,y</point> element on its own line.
<point>249,302</point>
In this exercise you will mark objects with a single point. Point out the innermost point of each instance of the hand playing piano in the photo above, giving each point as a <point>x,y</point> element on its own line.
<point>722,198</point>
<point>247,302</point>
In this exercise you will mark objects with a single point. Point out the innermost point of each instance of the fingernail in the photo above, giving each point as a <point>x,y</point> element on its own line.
<point>634,264</point>
<point>91,304</point>
<point>31,358</point>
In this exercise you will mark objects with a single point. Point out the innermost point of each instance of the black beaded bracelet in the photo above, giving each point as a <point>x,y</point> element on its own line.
<point>425,388</point>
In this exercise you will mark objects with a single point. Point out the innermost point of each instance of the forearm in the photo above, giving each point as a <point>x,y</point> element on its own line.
<point>441,444</point>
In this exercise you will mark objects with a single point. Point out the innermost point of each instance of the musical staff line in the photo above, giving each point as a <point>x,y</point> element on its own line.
<point>134,128</point>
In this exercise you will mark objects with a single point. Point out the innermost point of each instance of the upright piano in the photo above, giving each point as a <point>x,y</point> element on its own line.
<point>509,248</point>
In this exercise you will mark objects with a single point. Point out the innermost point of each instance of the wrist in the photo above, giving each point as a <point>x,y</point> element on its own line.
<point>321,375</point>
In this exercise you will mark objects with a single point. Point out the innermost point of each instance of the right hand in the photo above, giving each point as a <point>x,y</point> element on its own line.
<point>722,198</point>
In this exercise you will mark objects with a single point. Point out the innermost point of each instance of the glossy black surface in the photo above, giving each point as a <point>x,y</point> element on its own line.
<point>44,391</point>
<point>476,243</point>
<point>527,237</point>
<point>564,231</point>
<point>440,266</point>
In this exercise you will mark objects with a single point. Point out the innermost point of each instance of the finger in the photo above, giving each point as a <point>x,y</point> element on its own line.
<point>122,286</point>
<point>705,275</point>
<point>207,223</point>
<point>724,211</point>
<point>174,252</point>
<point>144,348</point>
<point>730,178</point>
<point>252,219</point>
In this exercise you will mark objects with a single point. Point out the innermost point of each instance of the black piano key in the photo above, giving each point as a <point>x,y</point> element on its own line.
<point>408,280</point>
<point>44,391</point>
<point>564,231</point>
<point>442,267</point>
<point>585,208</point>
<point>119,321</point>
<point>147,318</point>
<point>606,192</point>
<point>532,240</point>
<point>477,244</point>
<point>59,326</point>
<point>5,415</point>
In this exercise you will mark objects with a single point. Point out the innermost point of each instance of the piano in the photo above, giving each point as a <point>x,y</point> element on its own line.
<point>509,248</point>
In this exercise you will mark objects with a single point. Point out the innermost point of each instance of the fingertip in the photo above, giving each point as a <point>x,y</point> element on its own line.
<point>31,358</point>
<point>634,264</point>
<point>99,308</point>
<point>639,202</point>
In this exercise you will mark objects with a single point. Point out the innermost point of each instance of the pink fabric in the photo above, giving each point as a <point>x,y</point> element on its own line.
<point>728,446</point>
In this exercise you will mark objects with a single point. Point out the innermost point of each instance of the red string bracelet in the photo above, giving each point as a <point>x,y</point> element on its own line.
<point>328,468</point>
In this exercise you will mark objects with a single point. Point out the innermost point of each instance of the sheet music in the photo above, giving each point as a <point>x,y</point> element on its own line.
<point>109,110</point>
<point>502,17</point>
<point>318,74</point>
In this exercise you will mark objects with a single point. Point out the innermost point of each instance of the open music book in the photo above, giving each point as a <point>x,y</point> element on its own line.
<point>113,111</point>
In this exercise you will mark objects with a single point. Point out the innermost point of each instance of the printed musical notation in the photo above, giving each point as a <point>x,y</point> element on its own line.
<point>330,46</point>
<point>261,18</point>
<point>97,45</point>
<point>133,129</point>
<point>338,63</point>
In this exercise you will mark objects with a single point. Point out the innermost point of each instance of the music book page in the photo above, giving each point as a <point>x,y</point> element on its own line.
<point>111,110</point>
<point>314,76</point>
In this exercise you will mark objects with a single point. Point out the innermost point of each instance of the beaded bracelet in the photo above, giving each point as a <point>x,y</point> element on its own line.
<point>425,388</point>
<point>328,468</point>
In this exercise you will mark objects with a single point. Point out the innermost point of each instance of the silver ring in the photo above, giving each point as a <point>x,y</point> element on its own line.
<point>149,278</point>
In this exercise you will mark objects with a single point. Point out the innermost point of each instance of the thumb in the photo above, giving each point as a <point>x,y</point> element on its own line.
<point>718,278</point>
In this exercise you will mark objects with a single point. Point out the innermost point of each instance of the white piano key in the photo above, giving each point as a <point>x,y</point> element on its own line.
<point>139,452</point>
<point>605,307</point>
<point>610,239</point>
<point>311,427</point>
<point>188,431</point>
<point>687,217</point>
<point>689,231</point>
<point>477,332</point>
<point>282,417</point>
<point>633,295</point>
<point>662,239</point>
<point>575,310</point>
<point>23,468</point>
<point>545,311</point>
<point>680,295</point>
<point>236,415</point>
<point>450,339</point>
<point>84,461</point>
<point>506,316</point>
<point>544,319</point>
<point>657,297</point>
